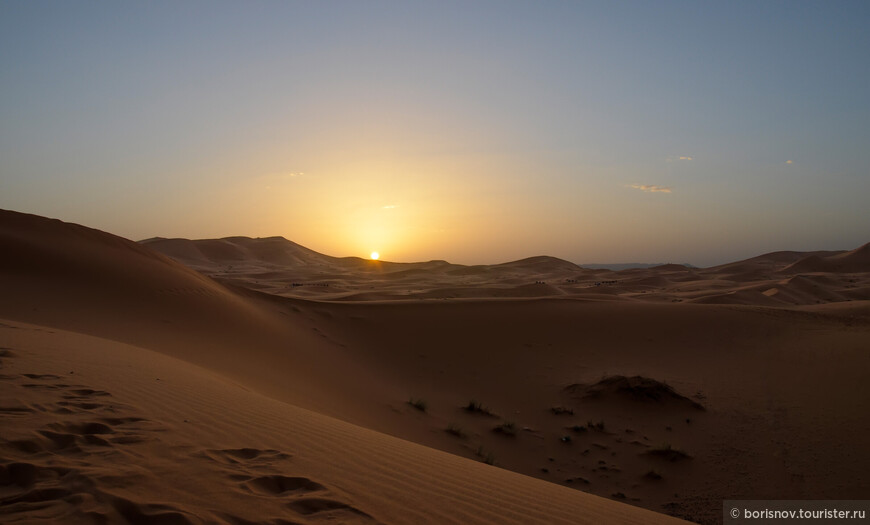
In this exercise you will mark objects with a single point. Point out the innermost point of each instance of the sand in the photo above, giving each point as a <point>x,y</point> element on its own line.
<point>256,381</point>
<point>280,267</point>
<point>96,431</point>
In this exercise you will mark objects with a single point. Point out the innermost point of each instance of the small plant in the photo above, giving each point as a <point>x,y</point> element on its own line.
<point>475,407</point>
<point>488,457</point>
<point>508,428</point>
<point>595,426</point>
<point>578,478</point>
<point>419,404</point>
<point>455,430</point>
<point>562,411</point>
<point>579,429</point>
<point>652,475</point>
<point>667,452</point>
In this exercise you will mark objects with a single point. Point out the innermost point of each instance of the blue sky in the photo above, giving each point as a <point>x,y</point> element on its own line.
<point>468,131</point>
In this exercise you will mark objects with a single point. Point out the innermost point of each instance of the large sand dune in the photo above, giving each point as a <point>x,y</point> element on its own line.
<point>233,404</point>
<point>97,431</point>
<point>281,267</point>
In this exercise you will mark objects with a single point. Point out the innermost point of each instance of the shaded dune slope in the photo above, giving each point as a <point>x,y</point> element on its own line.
<point>362,360</point>
<point>97,431</point>
<point>69,277</point>
<point>72,277</point>
<point>857,260</point>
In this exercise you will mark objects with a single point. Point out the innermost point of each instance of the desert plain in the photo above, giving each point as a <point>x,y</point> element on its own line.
<point>253,380</point>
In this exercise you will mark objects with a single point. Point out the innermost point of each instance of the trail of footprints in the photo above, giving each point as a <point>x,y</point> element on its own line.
<point>253,470</point>
<point>47,473</point>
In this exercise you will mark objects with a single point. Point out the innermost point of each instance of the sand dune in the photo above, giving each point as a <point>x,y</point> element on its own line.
<point>303,273</point>
<point>278,266</point>
<point>492,364</point>
<point>857,260</point>
<point>102,432</point>
<point>95,283</point>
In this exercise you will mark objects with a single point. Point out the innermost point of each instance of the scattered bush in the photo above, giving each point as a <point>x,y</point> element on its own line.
<point>595,426</point>
<point>419,404</point>
<point>488,457</point>
<point>507,428</point>
<point>578,478</point>
<point>475,407</point>
<point>455,430</point>
<point>668,453</point>
<point>652,475</point>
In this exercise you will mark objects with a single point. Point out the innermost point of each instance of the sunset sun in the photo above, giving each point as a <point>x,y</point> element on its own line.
<point>375,256</point>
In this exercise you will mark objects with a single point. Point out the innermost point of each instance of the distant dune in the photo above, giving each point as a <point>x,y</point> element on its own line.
<point>626,266</point>
<point>857,260</point>
<point>256,381</point>
<point>281,267</point>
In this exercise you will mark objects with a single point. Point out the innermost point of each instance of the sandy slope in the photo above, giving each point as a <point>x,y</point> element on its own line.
<point>776,385</point>
<point>67,276</point>
<point>130,435</point>
<point>97,431</point>
<point>782,388</point>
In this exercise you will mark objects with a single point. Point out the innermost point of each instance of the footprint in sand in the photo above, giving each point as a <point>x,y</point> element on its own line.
<point>330,510</point>
<point>254,469</point>
<point>251,457</point>
<point>278,485</point>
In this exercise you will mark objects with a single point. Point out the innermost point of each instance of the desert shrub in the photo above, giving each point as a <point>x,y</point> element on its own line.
<point>456,430</point>
<point>667,452</point>
<point>507,428</point>
<point>418,403</point>
<point>476,407</point>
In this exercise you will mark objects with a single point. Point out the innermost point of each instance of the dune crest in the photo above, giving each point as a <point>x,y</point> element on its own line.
<point>281,267</point>
<point>390,349</point>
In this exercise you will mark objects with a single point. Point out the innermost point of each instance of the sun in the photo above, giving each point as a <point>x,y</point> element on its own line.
<point>375,256</point>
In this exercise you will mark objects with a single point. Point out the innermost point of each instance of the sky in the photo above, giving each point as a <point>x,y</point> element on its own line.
<point>476,132</point>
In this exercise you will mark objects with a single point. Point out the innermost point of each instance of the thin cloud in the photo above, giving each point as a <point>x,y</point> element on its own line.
<point>676,158</point>
<point>686,158</point>
<point>390,207</point>
<point>274,180</point>
<point>789,162</point>
<point>278,179</point>
<point>280,176</point>
<point>650,188</point>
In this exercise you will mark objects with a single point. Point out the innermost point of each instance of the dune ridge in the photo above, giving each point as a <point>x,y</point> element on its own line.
<point>281,267</point>
<point>373,358</point>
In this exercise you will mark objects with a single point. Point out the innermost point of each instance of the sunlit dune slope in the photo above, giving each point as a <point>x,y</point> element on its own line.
<point>68,276</point>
